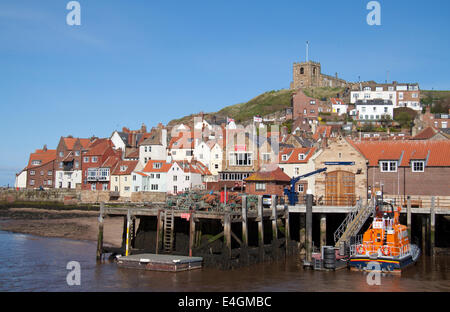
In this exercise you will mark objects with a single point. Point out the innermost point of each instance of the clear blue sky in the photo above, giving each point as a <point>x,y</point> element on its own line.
<point>149,61</point>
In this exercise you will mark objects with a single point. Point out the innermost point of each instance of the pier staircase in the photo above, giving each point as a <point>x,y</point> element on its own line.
<point>353,222</point>
<point>168,230</point>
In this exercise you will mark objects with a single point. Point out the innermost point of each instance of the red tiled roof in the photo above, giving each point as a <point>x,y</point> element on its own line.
<point>129,164</point>
<point>70,142</point>
<point>269,174</point>
<point>111,162</point>
<point>44,156</point>
<point>182,141</point>
<point>425,134</point>
<point>322,131</point>
<point>336,101</point>
<point>193,167</point>
<point>98,147</point>
<point>293,155</point>
<point>437,153</point>
<point>164,166</point>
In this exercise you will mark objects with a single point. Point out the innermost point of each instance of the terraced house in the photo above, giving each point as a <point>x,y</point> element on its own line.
<point>41,169</point>
<point>121,178</point>
<point>69,162</point>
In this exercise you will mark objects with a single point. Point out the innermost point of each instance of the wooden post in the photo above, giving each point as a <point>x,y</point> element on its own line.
<point>424,233</point>
<point>309,203</point>
<point>274,218</point>
<point>128,241</point>
<point>323,230</point>
<point>159,231</point>
<point>260,227</point>
<point>432,225</point>
<point>244,221</point>
<point>287,232</point>
<point>302,233</point>
<point>133,231</point>
<point>100,233</point>
<point>227,233</point>
<point>408,217</point>
<point>191,233</point>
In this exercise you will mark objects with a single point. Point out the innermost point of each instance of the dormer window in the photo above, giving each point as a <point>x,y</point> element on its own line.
<point>156,165</point>
<point>36,162</point>
<point>388,166</point>
<point>123,168</point>
<point>301,156</point>
<point>418,166</point>
<point>284,157</point>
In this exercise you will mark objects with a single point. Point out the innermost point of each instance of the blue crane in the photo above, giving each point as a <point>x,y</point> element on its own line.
<point>291,193</point>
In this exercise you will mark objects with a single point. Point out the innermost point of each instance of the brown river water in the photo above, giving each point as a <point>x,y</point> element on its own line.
<point>30,263</point>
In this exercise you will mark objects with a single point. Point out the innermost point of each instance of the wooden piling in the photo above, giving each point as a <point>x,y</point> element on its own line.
<point>424,234</point>
<point>432,225</point>
<point>260,227</point>
<point>274,218</point>
<point>408,217</point>
<point>302,234</point>
<point>323,230</point>
<point>128,241</point>
<point>159,231</point>
<point>227,233</point>
<point>244,221</point>
<point>287,232</point>
<point>191,233</point>
<point>309,203</point>
<point>100,233</point>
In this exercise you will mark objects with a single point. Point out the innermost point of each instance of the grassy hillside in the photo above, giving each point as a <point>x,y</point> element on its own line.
<point>440,100</point>
<point>264,104</point>
<point>324,92</point>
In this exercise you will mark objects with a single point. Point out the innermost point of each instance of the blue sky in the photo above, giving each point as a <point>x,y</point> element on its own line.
<point>149,61</point>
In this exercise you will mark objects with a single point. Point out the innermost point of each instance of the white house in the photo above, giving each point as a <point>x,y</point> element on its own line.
<point>216,157</point>
<point>183,176</point>
<point>119,139</point>
<point>202,153</point>
<point>338,106</point>
<point>298,161</point>
<point>368,94</point>
<point>154,146</point>
<point>21,180</point>
<point>371,110</point>
<point>181,148</point>
<point>155,176</point>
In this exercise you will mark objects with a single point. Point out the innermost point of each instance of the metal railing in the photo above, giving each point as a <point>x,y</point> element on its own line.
<point>419,201</point>
<point>374,249</point>
<point>353,222</point>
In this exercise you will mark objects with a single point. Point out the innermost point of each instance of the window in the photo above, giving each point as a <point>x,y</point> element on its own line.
<point>312,102</point>
<point>152,176</point>
<point>77,164</point>
<point>60,164</point>
<point>77,153</point>
<point>145,149</point>
<point>216,166</point>
<point>158,176</point>
<point>45,182</point>
<point>366,95</point>
<point>187,178</point>
<point>388,166</point>
<point>94,159</point>
<point>313,111</point>
<point>49,182</point>
<point>266,157</point>
<point>116,179</point>
<point>175,189</point>
<point>363,109</point>
<point>50,173</point>
<point>217,156</point>
<point>61,154</point>
<point>301,188</point>
<point>31,182</point>
<point>367,89</point>
<point>105,186</point>
<point>284,157</point>
<point>154,187</point>
<point>444,125</point>
<point>32,172</point>
<point>157,165</point>
<point>174,178</point>
<point>36,162</point>
<point>136,188</point>
<point>126,178</point>
<point>134,177</point>
<point>417,166</point>
<point>116,188</point>
<point>93,187</point>
<point>297,171</point>
<point>86,159</point>
<point>301,156</point>
<point>240,159</point>
<point>260,186</point>
<point>400,95</point>
<point>385,109</point>
<point>414,95</point>
<point>123,168</point>
<point>174,153</point>
<point>189,153</point>
<point>145,159</point>
<point>126,188</point>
